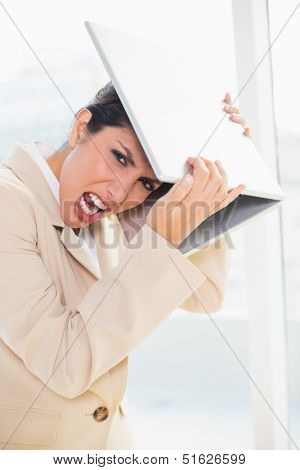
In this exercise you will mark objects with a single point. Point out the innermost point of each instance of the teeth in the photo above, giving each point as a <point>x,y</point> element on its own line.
<point>85,208</point>
<point>97,201</point>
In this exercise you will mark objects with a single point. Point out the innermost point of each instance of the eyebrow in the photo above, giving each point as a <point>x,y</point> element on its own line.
<point>132,162</point>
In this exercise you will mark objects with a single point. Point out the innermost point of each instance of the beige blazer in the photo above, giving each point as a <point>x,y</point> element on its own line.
<point>65,332</point>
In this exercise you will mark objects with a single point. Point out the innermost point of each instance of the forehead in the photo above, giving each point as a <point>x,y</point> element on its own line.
<point>129,139</point>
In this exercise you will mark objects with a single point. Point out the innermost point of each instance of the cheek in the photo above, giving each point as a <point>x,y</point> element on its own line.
<point>81,173</point>
<point>135,198</point>
<point>87,171</point>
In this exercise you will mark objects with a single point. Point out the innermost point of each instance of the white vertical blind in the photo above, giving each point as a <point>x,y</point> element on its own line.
<point>267,336</point>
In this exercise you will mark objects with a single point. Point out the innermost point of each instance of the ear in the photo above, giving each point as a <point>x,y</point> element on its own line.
<point>79,125</point>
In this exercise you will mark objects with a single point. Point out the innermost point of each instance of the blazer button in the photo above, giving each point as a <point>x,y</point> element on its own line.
<point>101,413</point>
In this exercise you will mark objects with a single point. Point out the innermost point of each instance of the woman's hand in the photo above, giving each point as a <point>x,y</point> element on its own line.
<point>195,197</point>
<point>235,114</point>
<point>192,200</point>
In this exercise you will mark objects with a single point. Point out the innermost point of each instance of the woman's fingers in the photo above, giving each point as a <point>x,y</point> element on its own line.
<point>222,190</point>
<point>235,114</point>
<point>223,174</point>
<point>247,132</point>
<point>238,118</point>
<point>215,179</point>
<point>200,172</point>
<point>214,185</point>
<point>233,194</point>
<point>180,189</point>
<point>178,216</point>
<point>207,176</point>
<point>213,175</point>
<point>211,179</point>
<point>241,120</point>
<point>227,99</point>
<point>231,109</point>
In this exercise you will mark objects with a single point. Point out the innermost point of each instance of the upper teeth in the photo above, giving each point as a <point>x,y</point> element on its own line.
<point>85,207</point>
<point>97,201</point>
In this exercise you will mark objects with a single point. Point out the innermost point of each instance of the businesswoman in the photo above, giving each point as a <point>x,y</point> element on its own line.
<point>76,296</point>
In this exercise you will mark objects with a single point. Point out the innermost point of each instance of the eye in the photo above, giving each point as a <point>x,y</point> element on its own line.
<point>118,156</point>
<point>145,182</point>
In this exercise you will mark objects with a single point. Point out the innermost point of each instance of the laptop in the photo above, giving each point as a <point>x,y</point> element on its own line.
<point>173,99</point>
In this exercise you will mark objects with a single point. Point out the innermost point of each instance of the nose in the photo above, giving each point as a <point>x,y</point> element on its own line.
<point>118,190</point>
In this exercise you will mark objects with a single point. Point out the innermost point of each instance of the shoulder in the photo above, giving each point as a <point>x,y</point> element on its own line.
<point>17,204</point>
<point>13,187</point>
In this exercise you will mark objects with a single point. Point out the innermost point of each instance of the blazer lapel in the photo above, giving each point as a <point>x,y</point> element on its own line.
<point>75,246</point>
<point>110,241</point>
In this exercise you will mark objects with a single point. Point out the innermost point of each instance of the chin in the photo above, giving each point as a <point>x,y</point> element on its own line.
<point>72,222</point>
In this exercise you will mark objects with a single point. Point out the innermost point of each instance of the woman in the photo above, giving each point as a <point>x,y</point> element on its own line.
<point>72,311</point>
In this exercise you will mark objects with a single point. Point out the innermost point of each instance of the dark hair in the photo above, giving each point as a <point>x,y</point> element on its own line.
<point>107,110</point>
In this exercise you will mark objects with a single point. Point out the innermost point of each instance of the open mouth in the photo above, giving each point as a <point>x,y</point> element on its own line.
<point>90,207</point>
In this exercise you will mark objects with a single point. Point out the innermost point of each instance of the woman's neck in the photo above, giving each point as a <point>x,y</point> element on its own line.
<point>56,159</point>
<point>55,162</point>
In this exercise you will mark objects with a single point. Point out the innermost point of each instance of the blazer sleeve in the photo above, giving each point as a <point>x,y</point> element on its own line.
<point>214,262</point>
<point>68,349</point>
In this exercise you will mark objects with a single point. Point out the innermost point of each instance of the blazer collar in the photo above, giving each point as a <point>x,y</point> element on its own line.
<point>22,164</point>
<point>25,168</point>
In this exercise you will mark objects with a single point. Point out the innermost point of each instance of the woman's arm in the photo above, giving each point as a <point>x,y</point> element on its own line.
<point>69,349</point>
<point>214,262</point>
